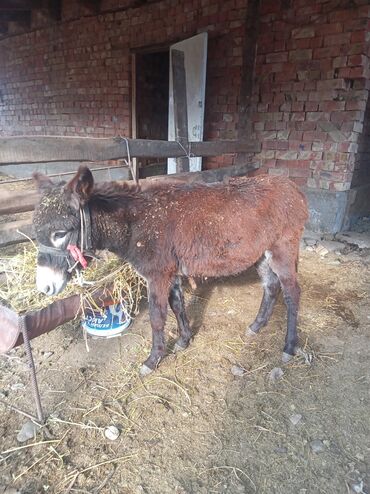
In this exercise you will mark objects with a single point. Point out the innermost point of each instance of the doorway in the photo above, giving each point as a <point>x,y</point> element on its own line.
<point>150,120</point>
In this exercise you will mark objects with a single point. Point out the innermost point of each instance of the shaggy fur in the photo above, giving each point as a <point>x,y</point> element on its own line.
<point>167,231</point>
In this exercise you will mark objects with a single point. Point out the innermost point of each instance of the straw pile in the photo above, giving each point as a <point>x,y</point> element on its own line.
<point>18,284</point>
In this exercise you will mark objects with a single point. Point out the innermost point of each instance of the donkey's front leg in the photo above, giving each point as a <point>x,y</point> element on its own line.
<point>158,297</point>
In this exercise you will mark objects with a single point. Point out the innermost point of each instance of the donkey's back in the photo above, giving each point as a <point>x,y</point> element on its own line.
<point>218,229</point>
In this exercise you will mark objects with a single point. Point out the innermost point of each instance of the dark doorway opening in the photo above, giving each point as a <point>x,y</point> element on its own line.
<point>360,194</point>
<point>152,90</point>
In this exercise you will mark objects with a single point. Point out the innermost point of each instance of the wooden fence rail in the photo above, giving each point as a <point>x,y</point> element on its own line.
<point>40,149</point>
<point>19,150</point>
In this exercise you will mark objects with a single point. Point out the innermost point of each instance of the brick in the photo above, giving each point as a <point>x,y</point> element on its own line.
<point>356,105</point>
<point>324,184</point>
<point>310,155</point>
<point>312,183</point>
<point>314,136</point>
<point>322,95</point>
<point>364,11</point>
<point>298,106</point>
<point>297,55</point>
<point>339,117</point>
<point>286,155</point>
<point>277,57</point>
<point>303,32</point>
<point>360,37</point>
<point>340,62</point>
<point>329,106</point>
<point>317,115</point>
<point>299,172</point>
<point>326,52</point>
<point>317,146</point>
<point>337,39</point>
<point>355,60</point>
<point>281,172</point>
<point>281,163</point>
<point>341,186</point>
<point>297,117</point>
<point>275,125</point>
<point>305,126</point>
<point>327,29</point>
<point>339,15</point>
<point>305,75</point>
<point>296,146</point>
<point>350,147</point>
<point>332,84</point>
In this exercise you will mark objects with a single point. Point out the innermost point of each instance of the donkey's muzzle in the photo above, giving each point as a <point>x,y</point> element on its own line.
<point>49,280</point>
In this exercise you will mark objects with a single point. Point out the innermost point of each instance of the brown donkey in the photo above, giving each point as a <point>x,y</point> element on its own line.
<point>170,230</point>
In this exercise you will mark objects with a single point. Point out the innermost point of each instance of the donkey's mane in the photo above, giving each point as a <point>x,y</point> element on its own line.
<point>110,196</point>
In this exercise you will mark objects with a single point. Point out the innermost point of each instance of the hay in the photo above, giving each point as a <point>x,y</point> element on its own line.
<point>18,284</point>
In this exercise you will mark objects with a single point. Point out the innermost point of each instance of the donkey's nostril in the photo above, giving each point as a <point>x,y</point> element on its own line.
<point>47,290</point>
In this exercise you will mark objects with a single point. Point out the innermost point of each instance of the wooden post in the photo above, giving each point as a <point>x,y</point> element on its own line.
<point>133,110</point>
<point>180,108</point>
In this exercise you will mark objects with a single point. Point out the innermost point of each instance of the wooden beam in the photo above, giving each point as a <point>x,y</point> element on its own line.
<point>180,107</point>
<point>11,203</point>
<point>9,232</point>
<point>19,150</point>
<point>19,5</point>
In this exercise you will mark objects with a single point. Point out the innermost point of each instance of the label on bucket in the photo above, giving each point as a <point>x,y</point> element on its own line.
<point>107,321</point>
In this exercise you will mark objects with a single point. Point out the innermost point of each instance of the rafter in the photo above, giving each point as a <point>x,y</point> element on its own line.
<point>19,5</point>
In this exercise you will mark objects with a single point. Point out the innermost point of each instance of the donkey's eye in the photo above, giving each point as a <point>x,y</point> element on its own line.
<point>59,235</point>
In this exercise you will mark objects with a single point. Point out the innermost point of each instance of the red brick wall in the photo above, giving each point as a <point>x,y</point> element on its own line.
<point>311,88</point>
<point>75,76</point>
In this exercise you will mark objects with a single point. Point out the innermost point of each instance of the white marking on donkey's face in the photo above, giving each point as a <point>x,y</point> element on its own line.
<point>49,280</point>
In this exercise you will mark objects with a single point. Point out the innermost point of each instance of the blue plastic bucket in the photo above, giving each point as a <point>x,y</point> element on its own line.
<point>111,320</point>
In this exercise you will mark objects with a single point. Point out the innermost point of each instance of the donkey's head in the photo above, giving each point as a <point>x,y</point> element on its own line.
<point>59,221</point>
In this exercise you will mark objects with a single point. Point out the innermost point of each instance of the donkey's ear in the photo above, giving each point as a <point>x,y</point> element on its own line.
<point>81,186</point>
<point>43,182</point>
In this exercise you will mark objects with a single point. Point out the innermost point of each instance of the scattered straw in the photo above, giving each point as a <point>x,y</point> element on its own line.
<point>233,469</point>
<point>18,290</point>
<point>72,477</point>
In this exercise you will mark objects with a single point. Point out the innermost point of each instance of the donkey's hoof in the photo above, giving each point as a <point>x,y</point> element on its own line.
<point>286,357</point>
<point>145,370</point>
<point>178,348</point>
<point>250,333</point>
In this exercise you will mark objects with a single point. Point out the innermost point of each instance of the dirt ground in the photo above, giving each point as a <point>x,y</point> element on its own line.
<point>193,426</point>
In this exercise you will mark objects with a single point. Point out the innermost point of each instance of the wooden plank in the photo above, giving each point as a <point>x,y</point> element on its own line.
<point>26,200</point>
<point>11,203</point>
<point>19,150</point>
<point>9,232</point>
<point>133,109</point>
<point>180,108</point>
<point>208,176</point>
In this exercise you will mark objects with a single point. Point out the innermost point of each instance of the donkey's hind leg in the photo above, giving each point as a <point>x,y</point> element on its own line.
<point>176,300</point>
<point>271,288</point>
<point>158,296</point>
<point>283,262</point>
